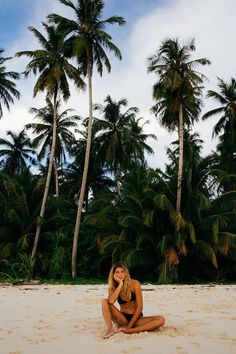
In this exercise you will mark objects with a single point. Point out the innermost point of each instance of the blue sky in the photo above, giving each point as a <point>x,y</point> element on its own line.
<point>15,15</point>
<point>210,22</point>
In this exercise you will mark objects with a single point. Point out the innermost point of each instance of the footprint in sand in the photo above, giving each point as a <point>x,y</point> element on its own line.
<point>44,327</point>
<point>41,340</point>
<point>131,350</point>
<point>81,327</point>
<point>78,329</point>
<point>195,345</point>
<point>180,350</point>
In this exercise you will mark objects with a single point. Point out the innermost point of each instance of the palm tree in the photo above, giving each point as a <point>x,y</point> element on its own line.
<point>226,97</point>
<point>19,200</point>
<point>177,92</point>
<point>7,86</point>
<point>98,178</point>
<point>121,139</point>
<point>212,218</point>
<point>65,139</point>
<point>16,152</point>
<point>88,43</point>
<point>50,61</point>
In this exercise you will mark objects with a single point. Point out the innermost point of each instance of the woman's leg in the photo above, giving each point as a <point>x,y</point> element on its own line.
<point>111,313</point>
<point>107,318</point>
<point>149,323</point>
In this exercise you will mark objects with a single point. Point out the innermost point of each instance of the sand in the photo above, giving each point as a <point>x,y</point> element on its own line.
<point>66,319</point>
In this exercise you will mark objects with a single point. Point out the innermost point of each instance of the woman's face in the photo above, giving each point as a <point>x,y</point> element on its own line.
<point>119,273</point>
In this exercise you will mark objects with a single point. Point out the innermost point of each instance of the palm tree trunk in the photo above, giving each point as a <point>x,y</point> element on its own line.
<point>118,184</point>
<point>181,160</point>
<point>117,178</point>
<point>47,184</point>
<point>56,177</point>
<point>85,174</point>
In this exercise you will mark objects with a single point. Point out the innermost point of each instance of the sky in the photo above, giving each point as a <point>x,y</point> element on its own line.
<point>149,22</point>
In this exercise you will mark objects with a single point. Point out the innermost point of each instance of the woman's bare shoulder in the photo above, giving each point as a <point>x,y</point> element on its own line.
<point>135,283</point>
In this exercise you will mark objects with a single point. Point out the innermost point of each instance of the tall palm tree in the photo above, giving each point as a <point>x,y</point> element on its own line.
<point>177,92</point>
<point>225,128</point>
<point>16,152</point>
<point>7,87</point>
<point>120,136</point>
<point>50,62</point>
<point>65,139</point>
<point>88,41</point>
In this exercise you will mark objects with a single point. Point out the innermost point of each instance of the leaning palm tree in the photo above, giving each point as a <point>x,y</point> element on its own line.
<point>16,152</point>
<point>177,92</point>
<point>88,41</point>
<point>65,138</point>
<point>50,62</point>
<point>7,87</point>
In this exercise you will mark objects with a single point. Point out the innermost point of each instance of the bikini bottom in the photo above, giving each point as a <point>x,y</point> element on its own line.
<point>128,316</point>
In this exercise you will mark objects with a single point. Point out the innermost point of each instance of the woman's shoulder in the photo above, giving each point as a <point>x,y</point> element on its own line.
<point>135,283</point>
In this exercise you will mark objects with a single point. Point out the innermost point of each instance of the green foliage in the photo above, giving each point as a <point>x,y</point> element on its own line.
<point>129,209</point>
<point>22,267</point>
<point>206,252</point>
<point>167,275</point>
<point>59,259</point>
<point>8,89</point>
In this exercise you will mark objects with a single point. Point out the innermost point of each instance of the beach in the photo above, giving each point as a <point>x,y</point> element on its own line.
<point>66,319</point>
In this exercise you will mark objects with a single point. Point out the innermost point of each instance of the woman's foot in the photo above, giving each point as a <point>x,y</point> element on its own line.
<point>126,330</point>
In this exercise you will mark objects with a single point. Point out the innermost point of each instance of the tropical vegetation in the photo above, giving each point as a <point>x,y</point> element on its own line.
<point>176,224</point>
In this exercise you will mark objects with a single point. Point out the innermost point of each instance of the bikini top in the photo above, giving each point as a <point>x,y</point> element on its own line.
<point>121,301</point>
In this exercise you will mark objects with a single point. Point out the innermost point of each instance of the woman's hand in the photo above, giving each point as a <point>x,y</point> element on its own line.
<point>118,280</point>
<point>125,329</point>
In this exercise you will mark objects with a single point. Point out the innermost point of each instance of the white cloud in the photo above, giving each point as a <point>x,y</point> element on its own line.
<point>210,22</point>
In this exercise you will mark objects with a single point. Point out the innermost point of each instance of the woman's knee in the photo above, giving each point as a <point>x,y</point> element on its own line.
<point>104,302</point>
<point>161,320</point>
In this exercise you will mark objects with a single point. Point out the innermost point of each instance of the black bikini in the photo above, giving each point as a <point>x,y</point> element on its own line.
<point>128,316</point>
<point>121,301</point>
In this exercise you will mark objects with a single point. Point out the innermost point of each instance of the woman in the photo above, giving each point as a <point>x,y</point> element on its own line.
<point>128,293</point>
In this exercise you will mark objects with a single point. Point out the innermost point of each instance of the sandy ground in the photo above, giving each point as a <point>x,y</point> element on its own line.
<point>61,319</point>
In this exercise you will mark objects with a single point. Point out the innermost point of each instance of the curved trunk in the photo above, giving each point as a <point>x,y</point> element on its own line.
<point>56,177</point>
<point>85,174</point>
<point>181,160</point>
<point>47,184</point>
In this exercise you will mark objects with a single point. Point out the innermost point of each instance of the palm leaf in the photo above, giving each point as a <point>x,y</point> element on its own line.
<point>191,230</point>
<point>163,203</point>
<point>131,221</point>
<point>143,239</point>
<point>171,257</point>
<point>204,250</point>
<point>177,219</point>
<point>139,258</point>
<point>148,217</point>
<point>226,241</point>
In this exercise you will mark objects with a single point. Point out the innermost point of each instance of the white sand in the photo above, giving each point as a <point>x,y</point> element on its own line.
<point>48,319</point>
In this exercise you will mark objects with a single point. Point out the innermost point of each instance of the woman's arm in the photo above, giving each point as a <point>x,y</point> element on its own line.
<point>113,295</point>
<point>139,303</point>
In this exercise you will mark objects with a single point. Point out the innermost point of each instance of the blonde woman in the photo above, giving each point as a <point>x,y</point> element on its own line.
<point>127,292</point>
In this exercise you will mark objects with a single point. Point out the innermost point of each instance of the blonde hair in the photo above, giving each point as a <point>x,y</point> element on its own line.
<point>112,284</point>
